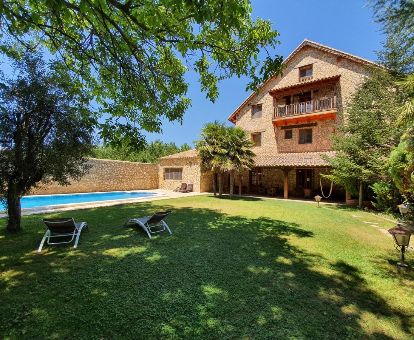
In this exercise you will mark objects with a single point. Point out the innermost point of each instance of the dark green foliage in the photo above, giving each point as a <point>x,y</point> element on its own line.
<point>368,134</point>
<point>133,55</point>
<point>45,131</point>
<point>397,20</point>
<point>151,153</point>
<point>233,269</point>
<point>401,166</point>
<point>386,195</point>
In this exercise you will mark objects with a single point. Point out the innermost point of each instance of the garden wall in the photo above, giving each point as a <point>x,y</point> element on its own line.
<point>109,175</point>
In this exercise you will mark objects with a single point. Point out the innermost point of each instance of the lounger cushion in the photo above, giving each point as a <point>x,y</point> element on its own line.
<point>60,225</point>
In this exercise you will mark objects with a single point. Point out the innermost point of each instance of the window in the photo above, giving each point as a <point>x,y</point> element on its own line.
<point>305,136</point>
<point>256,111</point>
<point>288,134</point>
<point>305,72</point>
<point>257,139</point>
<point>256,176</point>
<point>173,173</point>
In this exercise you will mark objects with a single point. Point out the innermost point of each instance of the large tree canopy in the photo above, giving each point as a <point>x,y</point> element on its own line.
<point>133,55</point>
<point>45,131</point>
<point>397,20</point>
<point>368,134</point>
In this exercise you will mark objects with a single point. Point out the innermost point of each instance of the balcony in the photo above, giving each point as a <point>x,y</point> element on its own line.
<point>312,106</point>
<point>316,109</point>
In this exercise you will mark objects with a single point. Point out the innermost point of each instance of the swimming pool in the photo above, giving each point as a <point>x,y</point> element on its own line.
<point>49,200</point>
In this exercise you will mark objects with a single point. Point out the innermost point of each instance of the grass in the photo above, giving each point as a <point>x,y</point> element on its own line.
<point>240,268</point>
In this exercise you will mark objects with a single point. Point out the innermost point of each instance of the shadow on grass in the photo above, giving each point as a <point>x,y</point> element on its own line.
<point>238,198</point>
<point>217,276</point>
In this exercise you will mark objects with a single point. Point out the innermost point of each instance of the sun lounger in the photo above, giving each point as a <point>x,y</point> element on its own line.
<point>152,224</point>
<point>64,229</point>
<point>189,188</point>
<point>181,188</point>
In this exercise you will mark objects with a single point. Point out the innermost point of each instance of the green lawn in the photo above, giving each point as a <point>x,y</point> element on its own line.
<point>239,268</point>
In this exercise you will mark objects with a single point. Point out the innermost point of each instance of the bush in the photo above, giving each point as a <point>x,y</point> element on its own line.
<point>386,196</point>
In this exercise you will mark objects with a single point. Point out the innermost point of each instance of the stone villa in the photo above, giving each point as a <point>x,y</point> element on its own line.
<point>291,120</point>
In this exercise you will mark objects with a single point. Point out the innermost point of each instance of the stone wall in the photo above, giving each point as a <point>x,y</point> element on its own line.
<point>206,181</point>
<point>109,175</point>
<point>190,175</point>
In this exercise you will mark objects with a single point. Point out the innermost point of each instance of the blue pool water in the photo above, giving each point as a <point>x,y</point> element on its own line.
<point>46,200</point>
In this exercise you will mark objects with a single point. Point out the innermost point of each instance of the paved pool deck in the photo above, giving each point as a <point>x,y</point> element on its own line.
<point>159,194</point>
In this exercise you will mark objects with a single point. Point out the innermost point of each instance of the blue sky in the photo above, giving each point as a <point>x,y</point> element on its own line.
<point>345,25</point>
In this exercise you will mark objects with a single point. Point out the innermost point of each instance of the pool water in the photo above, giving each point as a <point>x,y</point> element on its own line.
<point>47,200</point>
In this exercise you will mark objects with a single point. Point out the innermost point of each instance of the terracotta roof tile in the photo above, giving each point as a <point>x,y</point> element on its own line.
<point>184,154</point>
<point>305,159</point>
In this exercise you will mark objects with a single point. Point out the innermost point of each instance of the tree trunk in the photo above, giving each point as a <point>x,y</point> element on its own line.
<point>361,194</point>
<point>240,184</point>
<point>214,183</point>
<point>220,183</point>
<point>231,183</point>
<point>13,209</point>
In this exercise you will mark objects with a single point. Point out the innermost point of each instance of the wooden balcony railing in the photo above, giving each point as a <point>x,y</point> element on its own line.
<point>312,106</point>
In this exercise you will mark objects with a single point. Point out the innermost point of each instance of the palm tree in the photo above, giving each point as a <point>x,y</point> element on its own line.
<point>211,149</point>
<point>224,150</point>
<point>239,155</point>
<point>406,117</point>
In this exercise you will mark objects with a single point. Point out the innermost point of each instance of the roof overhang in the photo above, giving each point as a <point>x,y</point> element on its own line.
<point>277,92</point>
<point>294,160</point>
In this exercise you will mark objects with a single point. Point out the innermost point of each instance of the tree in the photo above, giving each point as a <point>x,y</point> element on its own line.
<point>211,150</point>
<point>133,55</point>
<point>239,155</point>
<point>397,20</point>
<point>224,149</point>
<point>406,111</point>
<point>401,166</point>
<point>151,153</point>
<point>45,131</point>
<point>367,136</point>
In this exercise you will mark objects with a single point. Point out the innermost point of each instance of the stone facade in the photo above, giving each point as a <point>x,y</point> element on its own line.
<point>334,78</point>
<point>108,175</point>
<point>321,135</point>
<point>351,74</point>
<point>189,163</point>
